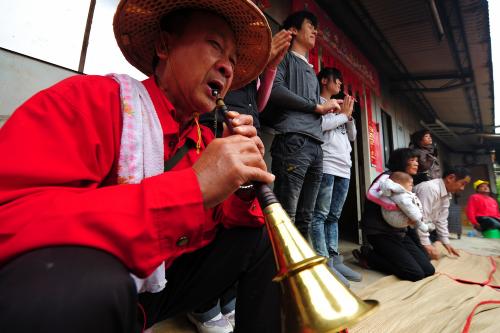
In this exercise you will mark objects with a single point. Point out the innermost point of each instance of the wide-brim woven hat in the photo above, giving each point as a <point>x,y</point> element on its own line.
<point>137,25</point>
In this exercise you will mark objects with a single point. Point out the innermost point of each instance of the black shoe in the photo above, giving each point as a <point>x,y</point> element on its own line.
<point>360,257</point>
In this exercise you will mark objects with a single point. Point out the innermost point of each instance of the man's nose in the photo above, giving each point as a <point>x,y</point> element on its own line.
<point>225,67</point>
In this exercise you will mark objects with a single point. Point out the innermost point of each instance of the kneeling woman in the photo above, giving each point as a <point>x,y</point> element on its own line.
<point>393,250</point>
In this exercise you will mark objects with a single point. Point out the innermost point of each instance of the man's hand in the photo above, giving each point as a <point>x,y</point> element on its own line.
<point>451,250</point>
<point>279,46</point>
<point>432,251</point>
<point>242,124</point>
<point>232,161</point>
<point>330,106</point>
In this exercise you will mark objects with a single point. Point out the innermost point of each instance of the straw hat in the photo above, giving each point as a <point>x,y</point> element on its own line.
<point>136,26</point>
<point>479,182</point>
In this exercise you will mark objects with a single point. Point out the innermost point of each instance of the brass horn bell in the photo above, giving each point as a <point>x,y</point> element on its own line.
<point>314,300</point>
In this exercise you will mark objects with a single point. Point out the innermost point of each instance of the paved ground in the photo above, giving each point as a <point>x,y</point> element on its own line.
<point>475,245</point>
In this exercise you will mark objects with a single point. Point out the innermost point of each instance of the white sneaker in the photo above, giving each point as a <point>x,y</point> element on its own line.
<point>218,324</point>
<point>230,317</point>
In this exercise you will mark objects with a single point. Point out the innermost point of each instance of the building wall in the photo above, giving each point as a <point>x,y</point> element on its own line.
<point>404,119</point>
<point>22,77</point>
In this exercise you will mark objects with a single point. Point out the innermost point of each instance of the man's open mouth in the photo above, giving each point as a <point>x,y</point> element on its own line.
<point>216,87</point>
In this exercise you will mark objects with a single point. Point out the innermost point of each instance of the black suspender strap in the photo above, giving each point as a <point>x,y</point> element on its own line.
<point>179,154</point>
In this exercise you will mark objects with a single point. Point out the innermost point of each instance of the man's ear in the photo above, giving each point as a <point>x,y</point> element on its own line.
<point>324,81</point>
<point>162,45</point>
<point>451,177</point>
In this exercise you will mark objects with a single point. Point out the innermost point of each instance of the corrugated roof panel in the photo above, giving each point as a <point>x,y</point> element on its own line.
<point>409,28</point>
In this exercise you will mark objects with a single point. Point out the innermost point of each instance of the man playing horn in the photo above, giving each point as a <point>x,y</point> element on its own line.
<point>117,209</point>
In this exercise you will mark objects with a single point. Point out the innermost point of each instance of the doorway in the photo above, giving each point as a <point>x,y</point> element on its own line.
<point>349,219</point>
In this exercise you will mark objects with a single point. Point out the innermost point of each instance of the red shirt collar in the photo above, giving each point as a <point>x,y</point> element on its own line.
<point>166,112</point>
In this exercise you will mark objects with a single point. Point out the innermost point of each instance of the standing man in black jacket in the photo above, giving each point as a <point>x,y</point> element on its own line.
<point>296,116</point>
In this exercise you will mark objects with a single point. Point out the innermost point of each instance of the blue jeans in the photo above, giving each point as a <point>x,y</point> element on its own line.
<point>298,166</point>
<point>329,203</point>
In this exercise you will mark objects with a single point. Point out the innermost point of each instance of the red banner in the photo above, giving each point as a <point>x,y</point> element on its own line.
<point>373,137</point>
<point>355,68</point>
<point>314,59</point>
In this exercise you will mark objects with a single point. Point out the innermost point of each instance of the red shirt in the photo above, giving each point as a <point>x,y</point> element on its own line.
<point>58,159</point>
<point>481,205</point>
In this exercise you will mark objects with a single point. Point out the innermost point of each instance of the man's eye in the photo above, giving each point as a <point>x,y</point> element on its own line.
<point>215,44</point>
<point>233,62</point>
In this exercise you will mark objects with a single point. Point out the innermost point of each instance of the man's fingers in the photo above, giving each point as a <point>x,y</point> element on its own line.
<point>451,250</point>
<point>253,160</point>
<point>239,119</point>
<point>432,251</point>
<point>279,46</point>
<point>259,175</point>
<point>245,145</point>
<point>248,131</point>
<point>281,40</point>
<point>259,144</point>
<point>252,165</point>
<point>258,149</point>
<point>283,35</point>
<point>241,124</point>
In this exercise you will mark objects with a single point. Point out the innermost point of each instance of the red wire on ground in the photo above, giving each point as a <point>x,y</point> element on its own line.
<point>485,283</point>
<point>468,322</point>
<point>471,315</point>
<point>493,270</point>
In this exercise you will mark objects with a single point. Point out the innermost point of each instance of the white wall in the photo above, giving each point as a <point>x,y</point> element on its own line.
<point>3,119</point>
<point>22,77</point>
<point>404,119</point>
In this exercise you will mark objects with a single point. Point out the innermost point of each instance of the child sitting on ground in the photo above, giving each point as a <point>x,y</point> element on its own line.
<point>398,187</point>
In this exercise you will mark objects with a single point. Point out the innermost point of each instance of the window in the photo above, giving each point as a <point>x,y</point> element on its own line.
<point>388,144</point>
<point>50,30</point>
<point>103,54</point>
<point>53,31</point>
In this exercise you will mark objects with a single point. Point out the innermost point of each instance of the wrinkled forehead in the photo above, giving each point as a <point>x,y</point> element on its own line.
<point>205,22</point>
<point>199,19</point>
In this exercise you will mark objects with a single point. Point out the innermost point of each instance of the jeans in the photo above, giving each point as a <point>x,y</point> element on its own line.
<point>329,203</point>
<point>298,167</point>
